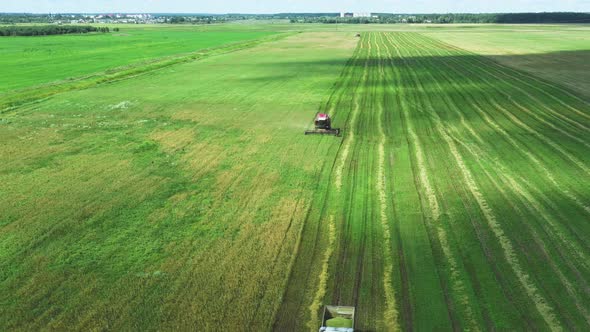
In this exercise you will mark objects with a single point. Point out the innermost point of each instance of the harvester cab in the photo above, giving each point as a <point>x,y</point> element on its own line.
<point>323,126</point>
<point>338,319</point>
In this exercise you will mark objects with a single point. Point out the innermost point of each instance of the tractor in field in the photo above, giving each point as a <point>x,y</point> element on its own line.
<point>323,126</point>
<point>338,319</point>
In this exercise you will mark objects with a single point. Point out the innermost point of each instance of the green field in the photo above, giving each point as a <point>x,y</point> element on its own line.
<point>184,196</point>
<point>31,61</point>
<point>556,54</point>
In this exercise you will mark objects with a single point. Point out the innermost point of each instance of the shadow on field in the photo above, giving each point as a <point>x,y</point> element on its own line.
<point>566,69</point>
<point>473,90</point>
<point>467,81</point>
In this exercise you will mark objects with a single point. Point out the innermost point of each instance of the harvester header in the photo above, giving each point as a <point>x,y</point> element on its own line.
<point>323,126</point>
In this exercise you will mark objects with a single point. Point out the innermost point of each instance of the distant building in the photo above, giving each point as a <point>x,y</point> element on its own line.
<point>361,15</point>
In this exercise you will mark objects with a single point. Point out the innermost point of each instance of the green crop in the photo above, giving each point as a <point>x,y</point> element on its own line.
<point>175,190</point>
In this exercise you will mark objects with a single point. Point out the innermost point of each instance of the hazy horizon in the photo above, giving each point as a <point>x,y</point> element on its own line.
<point>292,6</point>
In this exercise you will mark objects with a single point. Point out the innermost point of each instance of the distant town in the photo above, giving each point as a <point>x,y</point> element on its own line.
<point>326,18</point>
<point>117,18</point>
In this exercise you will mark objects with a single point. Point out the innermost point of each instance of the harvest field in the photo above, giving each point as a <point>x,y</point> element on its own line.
<point>185,195</point>
<point>32,61</point>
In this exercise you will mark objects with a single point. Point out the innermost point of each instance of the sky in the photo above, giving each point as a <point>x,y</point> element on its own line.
<point>291,6</point>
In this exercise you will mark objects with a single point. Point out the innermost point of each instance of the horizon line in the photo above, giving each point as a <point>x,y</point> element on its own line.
<point>290,13</point>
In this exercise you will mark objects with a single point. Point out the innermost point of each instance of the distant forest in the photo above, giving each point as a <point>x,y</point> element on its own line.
<point>47,30</point>
<point>515,18</point>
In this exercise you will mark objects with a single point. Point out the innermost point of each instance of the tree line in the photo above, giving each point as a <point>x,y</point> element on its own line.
<point>47,30</point>
<point>513,18</point>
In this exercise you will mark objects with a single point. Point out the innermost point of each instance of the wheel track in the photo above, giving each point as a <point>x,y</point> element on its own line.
<point>495,126</point>
<point>289,312</point>
<point>511,183</point>
<point>407,315</point>
<point>546,311</point>
<point>506,69</point>
<point>458,286</point>
<point>538,103</point>
<point>493,86</point>
<point>391,313</point>
<point>433,214</point>
<point>536,204</point>
<point>315,306</point>
<point>341,275</point>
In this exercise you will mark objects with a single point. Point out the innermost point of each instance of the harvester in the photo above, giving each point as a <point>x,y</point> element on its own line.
<point>338,319</point>
<point>323,126</point>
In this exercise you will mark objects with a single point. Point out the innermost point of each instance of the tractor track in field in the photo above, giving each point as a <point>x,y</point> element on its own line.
<point>407,317</point>
<point>521,124</point>
<point>349,139</point>
<point>341,93</point>
<point>557,271</point>
<point>364,295</point>
<point>540,244</point>
<point>509,252</point>
<point>531,204</point>
<point>563,279</point>
<point>321,291</point>
<point>556,115</point>
<point>530,154</point>
<point>502,70</point>
<point>346,233</point>
<point>505,70</point>
<point>452,101</point>
<point>415,176</point>
<point>483,206</point>
<point>308,222</point>
<point>457,287</point>
<point>391,313</point>
<point>535,204</point>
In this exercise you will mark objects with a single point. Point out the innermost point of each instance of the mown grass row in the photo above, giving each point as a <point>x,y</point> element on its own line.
<point>479,167</point>
<point>427,70</point>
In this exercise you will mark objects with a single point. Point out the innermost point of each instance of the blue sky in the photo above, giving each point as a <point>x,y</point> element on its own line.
<point>276,6</point>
